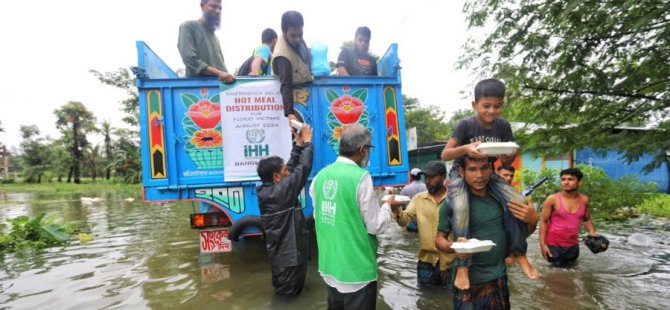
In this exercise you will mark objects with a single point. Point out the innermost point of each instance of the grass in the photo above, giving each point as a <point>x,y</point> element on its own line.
<point>657,206</point>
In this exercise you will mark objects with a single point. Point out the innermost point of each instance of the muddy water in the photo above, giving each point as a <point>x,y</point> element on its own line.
<point>145,256</point>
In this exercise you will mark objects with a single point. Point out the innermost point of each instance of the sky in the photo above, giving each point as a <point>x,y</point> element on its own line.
<point>50,46</point>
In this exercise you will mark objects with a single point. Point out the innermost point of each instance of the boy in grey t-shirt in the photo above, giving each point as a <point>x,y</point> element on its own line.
<point>486,126</point>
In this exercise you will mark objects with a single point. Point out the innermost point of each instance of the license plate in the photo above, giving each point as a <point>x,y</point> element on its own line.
<point>215,241</point>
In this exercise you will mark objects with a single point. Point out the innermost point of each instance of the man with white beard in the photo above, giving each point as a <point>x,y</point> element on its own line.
<point>347,218</point>
<point>199,47</point>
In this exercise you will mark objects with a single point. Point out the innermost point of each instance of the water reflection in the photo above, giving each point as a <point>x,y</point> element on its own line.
<point>146,256</point>
<point>557,290</point>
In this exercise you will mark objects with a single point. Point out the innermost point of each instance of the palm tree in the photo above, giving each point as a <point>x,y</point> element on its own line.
<point>4,156</point>
<point>124,154</point>
<point>75,121</point>
<point>92,156</point>
<point>59,157</point>
<point>107,133</point>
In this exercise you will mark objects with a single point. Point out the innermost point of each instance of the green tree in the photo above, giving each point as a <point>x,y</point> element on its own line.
<point>2,129</point>
<point>107,134</point>
<point>92,160</point>
<point>59,158</point>
<point>3,153</point>
<point>125,161</point>
<point>126,165</point>
<point>75,121</point>
<point>122,78</point>
<point>35,158</point>
<point>409,103</point>
<point>429,121</point>
<point>579,69</point>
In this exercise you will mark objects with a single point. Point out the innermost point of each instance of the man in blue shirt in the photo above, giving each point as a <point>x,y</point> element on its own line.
<point>260,63</point>
<point>411,189</point>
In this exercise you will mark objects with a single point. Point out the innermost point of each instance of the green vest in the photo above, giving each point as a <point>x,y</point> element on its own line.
<point>347,252</point>
<point>301,71</point>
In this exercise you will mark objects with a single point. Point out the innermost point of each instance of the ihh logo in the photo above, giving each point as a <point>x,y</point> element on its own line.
<point>255,135</point>
<point>257,150</point>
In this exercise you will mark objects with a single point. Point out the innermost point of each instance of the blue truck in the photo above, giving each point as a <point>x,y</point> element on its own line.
<point>183,156</point>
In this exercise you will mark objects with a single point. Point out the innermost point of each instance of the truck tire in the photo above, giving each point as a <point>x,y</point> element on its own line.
<point>239,226</point>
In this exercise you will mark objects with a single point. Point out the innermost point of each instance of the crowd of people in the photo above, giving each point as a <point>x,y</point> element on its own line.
<point>467,202</point>
<point>286,56</point>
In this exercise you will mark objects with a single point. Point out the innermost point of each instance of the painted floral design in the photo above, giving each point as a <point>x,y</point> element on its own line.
<point>205,114</point>
<point>337,132</point>
<point>347,109</point>
<point>207,138</point>
<point>202,129</point>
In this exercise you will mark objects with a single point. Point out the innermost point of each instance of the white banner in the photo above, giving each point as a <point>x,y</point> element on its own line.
<point>411,139</point>
<point>253,126</point>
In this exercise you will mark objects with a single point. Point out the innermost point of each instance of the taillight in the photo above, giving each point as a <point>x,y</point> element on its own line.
<point>207,220</point>
<point>197,220</point>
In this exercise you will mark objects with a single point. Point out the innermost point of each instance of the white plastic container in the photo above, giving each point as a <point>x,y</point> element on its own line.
<point>497,148</point>
<point>296,125</point>
<point>398,198</point>
<point>472,246</point>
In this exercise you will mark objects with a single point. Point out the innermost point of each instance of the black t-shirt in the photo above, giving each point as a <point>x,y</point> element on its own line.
<point>468,131</point>
<point>356,64</point>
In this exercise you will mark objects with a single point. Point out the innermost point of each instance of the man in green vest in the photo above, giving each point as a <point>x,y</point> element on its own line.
<point>292,61</point>
<point>347,218</point>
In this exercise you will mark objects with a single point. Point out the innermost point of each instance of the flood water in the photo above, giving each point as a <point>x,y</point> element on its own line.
<point>146,256</point>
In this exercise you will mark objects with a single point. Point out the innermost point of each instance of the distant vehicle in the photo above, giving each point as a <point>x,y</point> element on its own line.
<point>174,168</point>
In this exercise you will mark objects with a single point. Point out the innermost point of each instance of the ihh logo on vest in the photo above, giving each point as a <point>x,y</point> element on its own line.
<point>256,136</point>
<point>328,205</point>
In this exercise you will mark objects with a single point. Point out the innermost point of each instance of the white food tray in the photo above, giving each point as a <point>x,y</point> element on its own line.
<point>398,198</point>
<point>497,148</point>
<point>473,246</point>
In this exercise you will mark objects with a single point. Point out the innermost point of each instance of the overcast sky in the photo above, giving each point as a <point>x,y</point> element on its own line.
<point>50,46</point>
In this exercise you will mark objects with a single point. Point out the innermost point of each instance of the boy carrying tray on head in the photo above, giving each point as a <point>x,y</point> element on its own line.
<point>486,126</point>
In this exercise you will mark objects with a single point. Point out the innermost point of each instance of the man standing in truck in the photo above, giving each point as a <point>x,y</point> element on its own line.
<point>260,62</point>
<point>199,47</point>
<point>292,61</point>
<point>357,61</point>
<point>284,224</point>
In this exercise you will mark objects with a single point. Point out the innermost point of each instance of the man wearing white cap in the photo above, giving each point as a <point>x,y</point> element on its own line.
<point>416,186</point>
<point>411,189</point>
